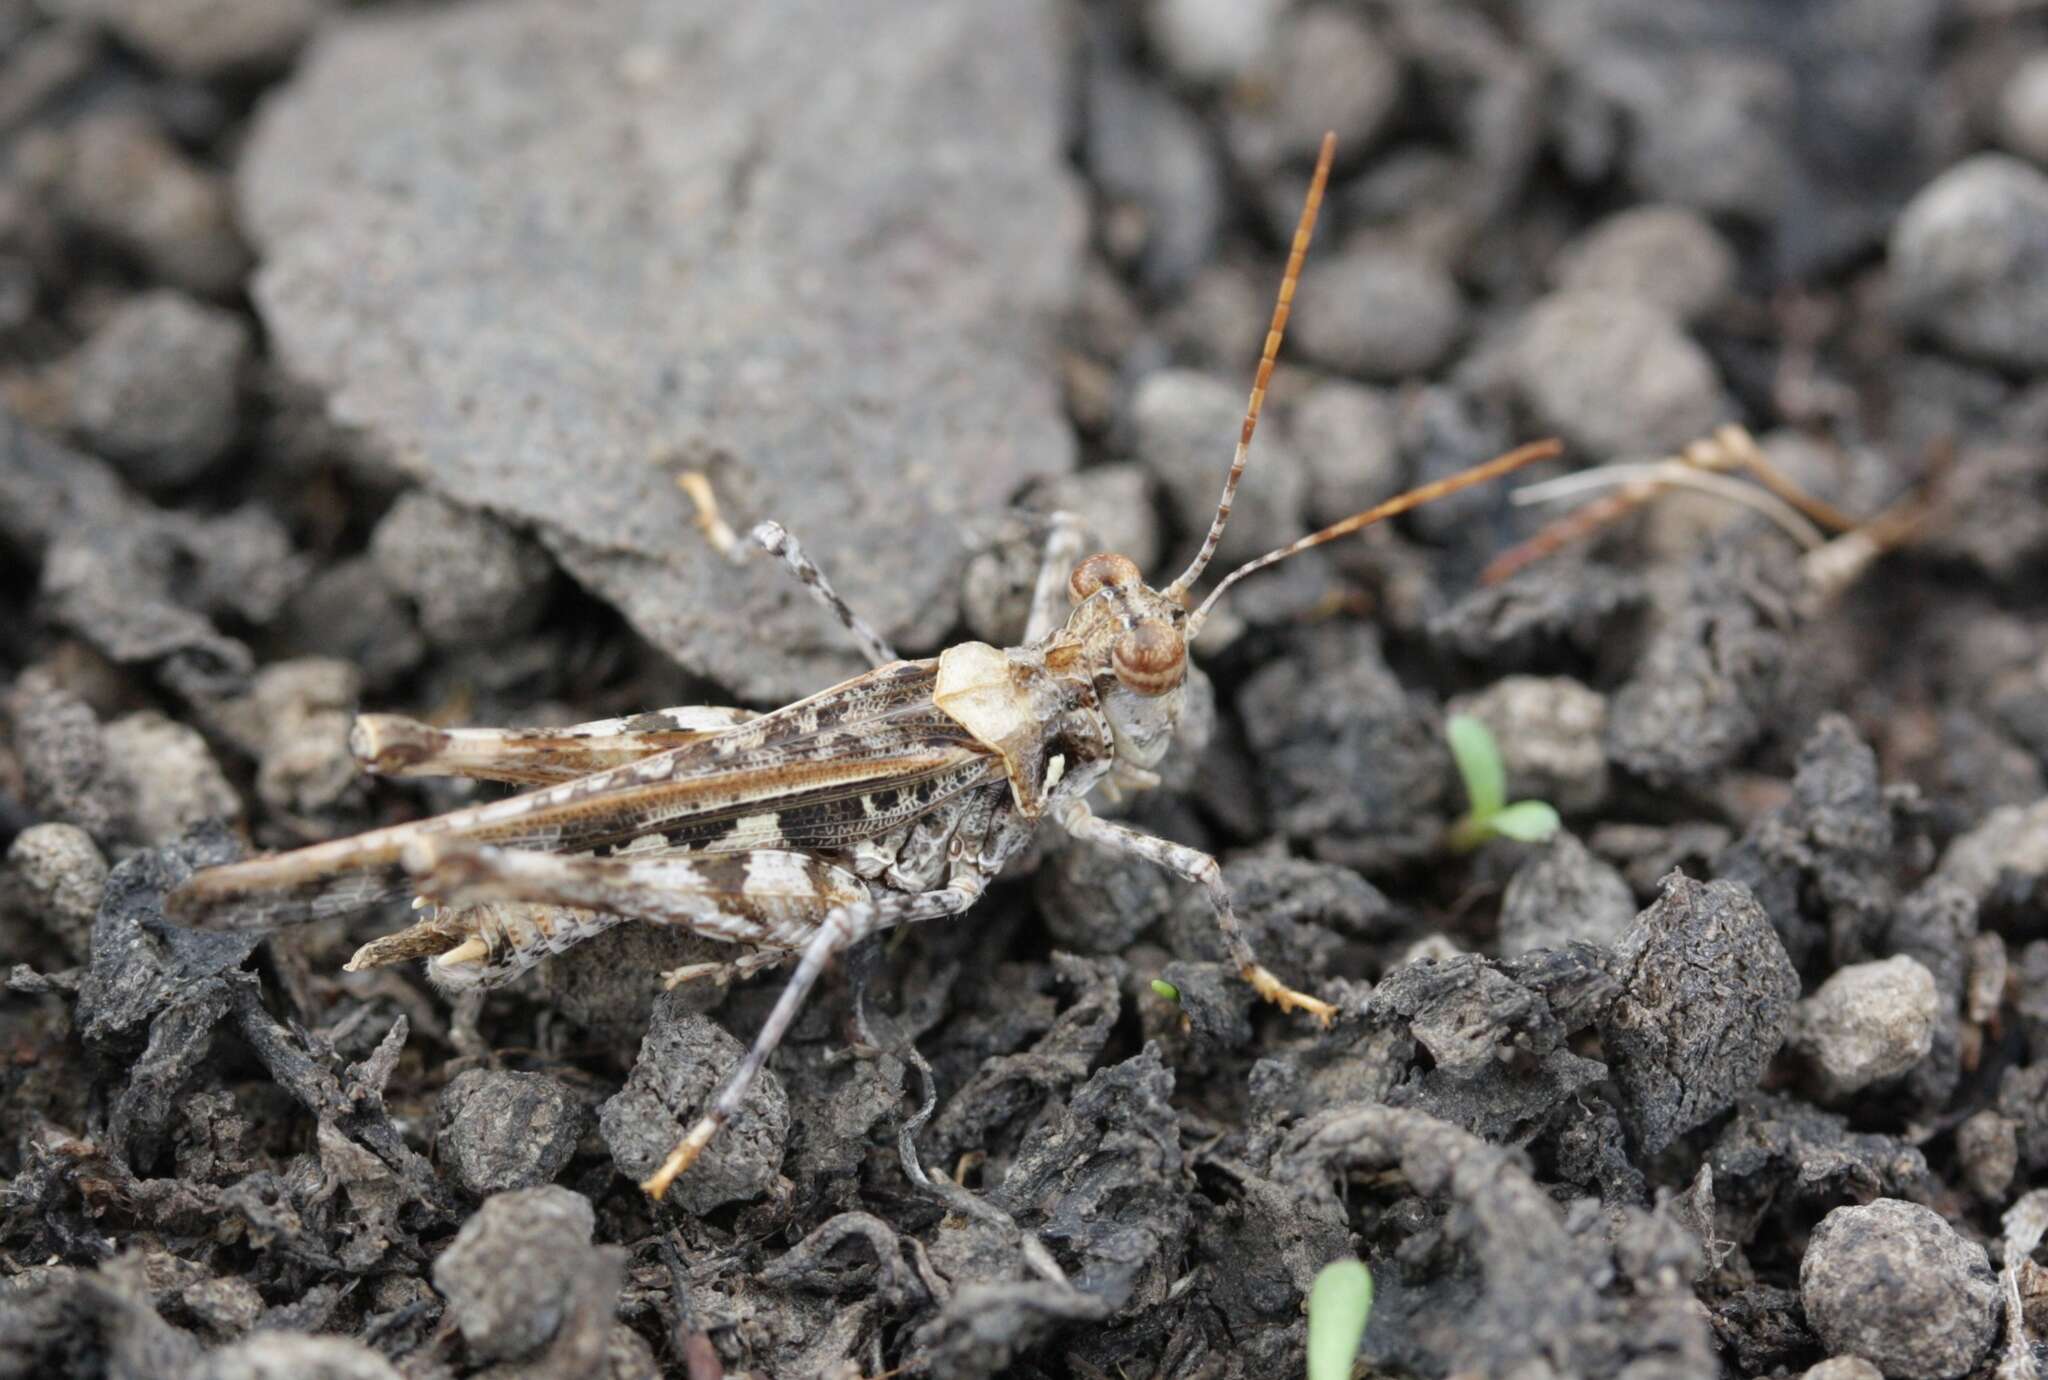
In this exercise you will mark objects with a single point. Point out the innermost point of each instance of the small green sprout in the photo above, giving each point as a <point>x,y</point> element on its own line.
<point>1486,787</point>
<point>1166,989</point>
<point>1339,1302</point>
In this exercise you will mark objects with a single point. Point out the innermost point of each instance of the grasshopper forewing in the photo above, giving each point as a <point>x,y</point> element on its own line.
<point>889,799</point>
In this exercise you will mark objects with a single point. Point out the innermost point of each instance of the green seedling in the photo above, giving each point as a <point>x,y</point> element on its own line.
<point>1166,989</point>
<point>1486,787</point>
<point>1339,1302</point>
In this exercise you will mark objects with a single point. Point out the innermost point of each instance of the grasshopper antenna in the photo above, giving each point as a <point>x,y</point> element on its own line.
<point>1303,230</point>
<point>1393,507</point>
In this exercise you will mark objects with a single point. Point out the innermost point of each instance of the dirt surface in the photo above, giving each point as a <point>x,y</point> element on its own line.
<point>348,355</point>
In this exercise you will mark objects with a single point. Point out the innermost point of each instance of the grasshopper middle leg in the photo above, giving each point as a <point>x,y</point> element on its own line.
<point>773,538</point>
<point>1203,870</point>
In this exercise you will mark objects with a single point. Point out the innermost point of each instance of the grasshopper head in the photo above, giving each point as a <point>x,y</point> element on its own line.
<point>1132,640</point>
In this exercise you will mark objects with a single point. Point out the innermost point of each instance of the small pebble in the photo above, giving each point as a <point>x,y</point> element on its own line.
<point>57,874</point>
<point>172,780</point>
<point>300,713</point>
<point>1349,438</point>
<point>156,388</point>
<point>63,755</point>
<point>204,39</point>
<point>1211,40</point>
<point>1328,71</point>
<point>1892,1282</point>
<point>1843,1368</point>
<point>1615,375</point>
<point>1669,256</point>
<point>1562,894</point>
<point>1183,424</point>
<point>1160,179</point>
<point>124,182</point>
<point>1116,507</point>
<point>683,1062</point>
<point>1377,313</point>
<point>1551,732</point>
<point>1969,261</point>
<point>510,1274</point>
<point>293,1356</point>
<point>1868,1022</point>
<point>349,611</point>
<point>473,580</point>
<point>503,1130</point>
<point>608,984</point>
<point>2023,110</point>
<point>1707,998</point>
<point>1988,1146</point>
<point>1095,902</point>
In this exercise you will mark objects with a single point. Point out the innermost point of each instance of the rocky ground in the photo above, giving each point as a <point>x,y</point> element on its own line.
<point>348,355</point>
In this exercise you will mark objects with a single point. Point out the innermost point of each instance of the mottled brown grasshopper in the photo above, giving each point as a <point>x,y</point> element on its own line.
<point>886,800</point>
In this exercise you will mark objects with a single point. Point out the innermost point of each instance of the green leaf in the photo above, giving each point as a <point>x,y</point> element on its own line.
<point>1528,821</point>
<point>1166,989</point>
<point>1486,779</point>
<point>1338,1304</point>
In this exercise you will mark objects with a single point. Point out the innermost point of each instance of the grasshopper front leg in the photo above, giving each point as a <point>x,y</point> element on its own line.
<point>1198,867</point>
<point>1049,597</point>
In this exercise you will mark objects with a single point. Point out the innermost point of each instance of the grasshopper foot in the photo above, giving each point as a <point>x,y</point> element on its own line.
<point>1286,998</point>
<point>682,1157</point>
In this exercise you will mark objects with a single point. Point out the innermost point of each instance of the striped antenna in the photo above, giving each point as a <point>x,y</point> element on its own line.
<point>1303,230</point>
<point>1393,507</point>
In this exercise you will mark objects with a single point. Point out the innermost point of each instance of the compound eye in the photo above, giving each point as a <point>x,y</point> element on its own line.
<point>1150,659</point>
<point>1100,572</point>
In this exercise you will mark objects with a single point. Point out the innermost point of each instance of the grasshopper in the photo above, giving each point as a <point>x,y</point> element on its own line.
<point>890,799</point>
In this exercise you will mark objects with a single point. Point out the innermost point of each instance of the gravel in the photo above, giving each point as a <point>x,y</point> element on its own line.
<point>501,1130</point>
<point>1892,1282</point>
<point>1154,161</point>
<point>1327,70</point>
<point>1182,426</point>
<point>685,319</point>
<point>1211,40</point>
<point>508,1276</point>
<point>1615,375</point>
<point>57,873</point>
<point>155,389</point>
<point>1562,895</point>
<point>2023,109</point>
<point>1707,998</point>
<point>1967,261</point>
<point>294,1356</point>
<point>118,179</point>
<point>683,1060</point>
<point>1377,313</point>
<point>906,279</point>
<point>171,782</point>
<point>472,581</point>
<point>1669,256</point>
<point>1550,730</point>
<point>1348,436</point>
<point>1867,1023</point>
<point>206,39</point>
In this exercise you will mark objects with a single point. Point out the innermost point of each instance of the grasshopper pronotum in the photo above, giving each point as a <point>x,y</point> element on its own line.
<point>889,799</point>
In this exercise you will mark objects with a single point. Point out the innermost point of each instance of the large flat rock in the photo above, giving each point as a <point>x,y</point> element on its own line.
<point>545,256</point>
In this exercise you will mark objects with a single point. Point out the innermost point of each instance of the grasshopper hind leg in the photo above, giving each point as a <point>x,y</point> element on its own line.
<point>837,930</point>
<point>1203,870</point>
